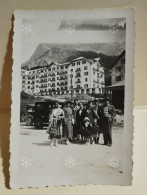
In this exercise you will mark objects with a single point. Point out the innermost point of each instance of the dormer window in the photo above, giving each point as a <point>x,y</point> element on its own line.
<point>84,62</point>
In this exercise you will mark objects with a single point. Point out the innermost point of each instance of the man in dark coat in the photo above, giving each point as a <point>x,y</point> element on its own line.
<point>80,120</point>
<point>107,114</point>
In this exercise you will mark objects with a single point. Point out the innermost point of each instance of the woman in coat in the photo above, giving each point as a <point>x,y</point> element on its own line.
<point>68,122</point>
<point>55,122</point>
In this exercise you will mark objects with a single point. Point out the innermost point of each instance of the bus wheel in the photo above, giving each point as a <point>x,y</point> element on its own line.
<point>38,123</point>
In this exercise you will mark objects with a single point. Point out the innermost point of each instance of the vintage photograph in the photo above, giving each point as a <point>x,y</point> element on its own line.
<point>72,78</point>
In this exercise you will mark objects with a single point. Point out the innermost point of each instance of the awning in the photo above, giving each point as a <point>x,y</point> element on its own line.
<point>117,86</point>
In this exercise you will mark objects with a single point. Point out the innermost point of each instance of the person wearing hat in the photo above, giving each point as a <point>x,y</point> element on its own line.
<point>55,124</point>
<point>79,120</point>
<point>68,122</point>
<point>90,112</point>
<point>107,114</point>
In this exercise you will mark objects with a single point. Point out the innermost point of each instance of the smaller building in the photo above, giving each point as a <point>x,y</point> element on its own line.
<point>118,70</point>
<point>117,88</point>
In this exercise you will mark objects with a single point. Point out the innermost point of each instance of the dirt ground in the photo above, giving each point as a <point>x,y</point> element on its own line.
<point>73,164</point>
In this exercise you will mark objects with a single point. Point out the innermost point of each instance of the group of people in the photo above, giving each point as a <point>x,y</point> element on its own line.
<point>77,122</point>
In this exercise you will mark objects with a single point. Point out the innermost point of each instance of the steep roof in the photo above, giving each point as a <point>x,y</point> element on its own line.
<point>119,57</point>
<point>79,58</point>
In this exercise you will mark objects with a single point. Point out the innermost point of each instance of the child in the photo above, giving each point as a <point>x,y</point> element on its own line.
<point>94,137</point>
<point>53,133</point>
<point>87,130</point>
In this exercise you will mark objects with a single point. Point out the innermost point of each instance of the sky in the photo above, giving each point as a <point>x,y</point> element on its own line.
<point>48,31</point>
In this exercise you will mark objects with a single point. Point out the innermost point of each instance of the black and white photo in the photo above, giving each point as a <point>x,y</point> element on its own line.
<point>72,98</point>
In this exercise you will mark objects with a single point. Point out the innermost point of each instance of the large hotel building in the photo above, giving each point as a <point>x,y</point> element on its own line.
<point>81,75</point>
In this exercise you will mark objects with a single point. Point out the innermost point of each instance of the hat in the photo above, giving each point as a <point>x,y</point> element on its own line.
<point>86,119</point>
<point>107,99</point>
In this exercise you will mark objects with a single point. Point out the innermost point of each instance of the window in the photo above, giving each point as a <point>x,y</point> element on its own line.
<point>86,79</point>
<point>57,78</point>
<point>122,61</point>
<point>78,86</point>
<point>118,68</point>
<point>84,62</point>
<point>78,63</point>
<point>118,78</point>
<point>78,74</point>
<point>71,70</point>
<point>73,64</point>
<point>85,73</point>
<point>86,86</point>
<point>78,69</point>
<point>85,67</point>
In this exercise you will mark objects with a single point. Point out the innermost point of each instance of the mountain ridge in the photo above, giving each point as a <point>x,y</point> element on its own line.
<point>45,53</point>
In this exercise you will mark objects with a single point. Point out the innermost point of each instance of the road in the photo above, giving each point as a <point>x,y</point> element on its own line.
<point>74,164</point>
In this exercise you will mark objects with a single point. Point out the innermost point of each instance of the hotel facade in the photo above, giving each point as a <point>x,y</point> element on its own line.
<point>80,76</point>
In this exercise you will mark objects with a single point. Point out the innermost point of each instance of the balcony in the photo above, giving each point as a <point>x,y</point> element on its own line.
<point>43,81</point>
<point>63,84</point>
<point>43,86</point>
<point>95,69</point>
<point>78,75</point>
<point>78,70</point>
<point>31,78</point>
<point>43,76</point>
<point>52,75</point>
<point>62,73</point>
<point>62,79</point>
<point>96,81</point>
<point>78,82</point>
